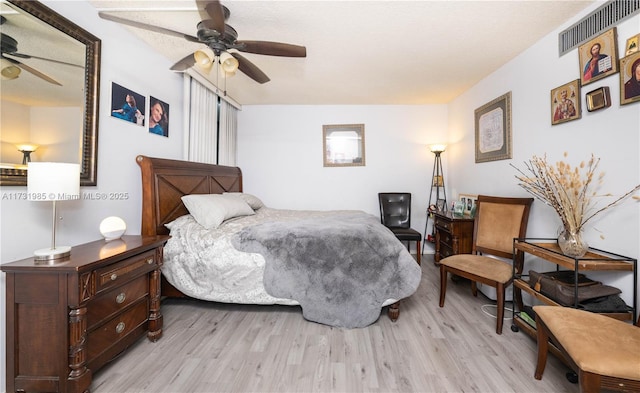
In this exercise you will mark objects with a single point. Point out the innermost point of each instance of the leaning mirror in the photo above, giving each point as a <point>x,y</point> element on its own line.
<point>49,89</point>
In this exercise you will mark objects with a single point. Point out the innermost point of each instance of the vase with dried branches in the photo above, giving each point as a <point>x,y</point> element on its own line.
<point>572,193</point>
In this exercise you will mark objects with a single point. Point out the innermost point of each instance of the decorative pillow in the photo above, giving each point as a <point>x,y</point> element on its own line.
<point>252,200</point>
<point>210,210</point>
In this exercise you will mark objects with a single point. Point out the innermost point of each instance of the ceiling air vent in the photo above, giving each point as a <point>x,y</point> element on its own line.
<point>600,20</point>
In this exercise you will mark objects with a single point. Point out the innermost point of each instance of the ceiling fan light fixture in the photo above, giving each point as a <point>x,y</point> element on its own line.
<point>8,70</point>
<point>229,63</point>
<point>204,58</point>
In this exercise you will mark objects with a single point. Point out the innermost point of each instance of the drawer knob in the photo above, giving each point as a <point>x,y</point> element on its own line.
<point>120,327</point>
<point>121,298</point>
<point>150,261</point>
<point>114,277</point>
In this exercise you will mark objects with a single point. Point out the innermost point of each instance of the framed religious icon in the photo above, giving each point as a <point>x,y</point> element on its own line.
<point>565,103</point>
<point>493,130</point>
<point>632,45</point>
<point>630,79</point>
<point>343,145</point>
<point>598,57</point>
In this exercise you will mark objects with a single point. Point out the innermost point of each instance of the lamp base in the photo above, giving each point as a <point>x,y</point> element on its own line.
<point>47,254</point>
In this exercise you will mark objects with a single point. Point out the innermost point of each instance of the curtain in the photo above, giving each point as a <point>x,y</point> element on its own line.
<point>227,134</point>
<point>203,119</point>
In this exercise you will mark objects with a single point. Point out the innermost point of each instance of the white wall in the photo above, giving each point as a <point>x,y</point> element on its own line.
<point>26,226</point>
<point>280,153</point>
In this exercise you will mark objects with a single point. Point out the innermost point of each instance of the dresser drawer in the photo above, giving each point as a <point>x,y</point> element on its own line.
<point>120,272</point>
<point>443,224</point>
<point>116,329</point>
<point>110,303</point>
<point>445,250</point>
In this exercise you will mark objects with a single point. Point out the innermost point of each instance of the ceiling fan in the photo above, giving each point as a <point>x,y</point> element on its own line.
<point>219,38</point>
<point>11,68</point>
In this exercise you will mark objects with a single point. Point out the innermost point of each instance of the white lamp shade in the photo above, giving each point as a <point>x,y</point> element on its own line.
<point>53,181</point>
<point>8,70</point>
<point>229,63</point>
<point>204,57</point>
<point>437,147</point>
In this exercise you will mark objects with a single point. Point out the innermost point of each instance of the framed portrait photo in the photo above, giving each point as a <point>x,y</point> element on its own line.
<point>127,105</point>
<point>493,130</point>
<point>565,103</point>
<point>630,78</point>
<point>343,145</point>
<point>598,57</point>
<point>468,202</point>
<point>158,117</point>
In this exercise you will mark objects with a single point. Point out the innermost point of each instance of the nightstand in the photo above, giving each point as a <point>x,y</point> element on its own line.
<point>454,235</point>
<point>68,318</point>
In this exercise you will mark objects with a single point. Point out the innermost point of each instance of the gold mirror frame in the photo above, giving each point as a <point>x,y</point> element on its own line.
<point>89,162</point>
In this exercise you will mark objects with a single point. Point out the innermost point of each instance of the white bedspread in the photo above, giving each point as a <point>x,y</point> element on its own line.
<point>203,264</point>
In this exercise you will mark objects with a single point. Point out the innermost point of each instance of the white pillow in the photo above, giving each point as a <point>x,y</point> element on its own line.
<point>210,210</point>
<point>252,200</point>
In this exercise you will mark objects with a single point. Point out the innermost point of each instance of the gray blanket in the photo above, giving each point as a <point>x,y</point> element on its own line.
<point>340,269</point>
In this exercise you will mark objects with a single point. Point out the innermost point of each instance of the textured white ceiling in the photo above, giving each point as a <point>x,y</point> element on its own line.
<point>362,52</point>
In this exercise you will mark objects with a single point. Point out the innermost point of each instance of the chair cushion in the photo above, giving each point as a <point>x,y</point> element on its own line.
<point>596,343</point>
<point>407,234</point>
<point>481,266</point>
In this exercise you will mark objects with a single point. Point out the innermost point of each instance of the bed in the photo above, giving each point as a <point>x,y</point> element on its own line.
<point>271,256</point>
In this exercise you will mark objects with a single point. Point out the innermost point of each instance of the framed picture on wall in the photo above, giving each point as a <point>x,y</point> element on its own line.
<point>127,105</point>
<point>565,103</point>
<point>632,45</point>
<point>630,79</point>
<point>493,129</point>
<point>598,57</point>
<point>343,145</point>
<point>158,117</point>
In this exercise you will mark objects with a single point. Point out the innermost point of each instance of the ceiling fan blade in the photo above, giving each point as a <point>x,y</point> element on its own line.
<point>184,63</point>
<point>146,26</point>
<point>215,11</point>
<point>272,48</point>
<point>33,71</point>
<point>250,69</point>
<point>25,56</point>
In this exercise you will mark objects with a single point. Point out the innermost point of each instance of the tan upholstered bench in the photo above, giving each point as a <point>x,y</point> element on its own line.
<point>604,352</point>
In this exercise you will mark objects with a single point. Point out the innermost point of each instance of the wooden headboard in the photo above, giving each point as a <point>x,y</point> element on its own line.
<point>165,181</point>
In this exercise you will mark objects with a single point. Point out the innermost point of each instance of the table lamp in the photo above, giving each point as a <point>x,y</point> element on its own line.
<point>53,181</point>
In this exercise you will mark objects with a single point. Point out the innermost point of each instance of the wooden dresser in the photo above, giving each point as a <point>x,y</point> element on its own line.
<point>66,319</point>
<point>454,235</point>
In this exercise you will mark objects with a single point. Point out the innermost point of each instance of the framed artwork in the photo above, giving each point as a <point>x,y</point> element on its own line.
<point>632,45</point>
<point>438,181</point>
<point>598,99</point>
<point>630,78</point>
<point>598,57</point>
<point>127,105</point>
<point>343,145</point>
<point>158,117</point>
<point>493,130</point>
<point>468,202</point>
<point>565,103</point>
<point>441,205</point>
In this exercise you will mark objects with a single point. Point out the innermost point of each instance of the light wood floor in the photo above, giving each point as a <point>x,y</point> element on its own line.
<point>211,347</point>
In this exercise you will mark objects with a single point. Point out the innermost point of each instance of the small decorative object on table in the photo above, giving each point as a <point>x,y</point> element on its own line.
<point>569,193</point>
<point>112,228</point>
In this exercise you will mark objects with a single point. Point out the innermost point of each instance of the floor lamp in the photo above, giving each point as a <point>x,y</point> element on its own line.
<point>437,182</point>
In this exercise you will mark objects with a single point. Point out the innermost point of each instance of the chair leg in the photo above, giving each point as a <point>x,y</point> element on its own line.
<point>418,252</point>
<point>589,382</point>
<point>443,284</point>
<point>500,306</point>
<point>543,348</point>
